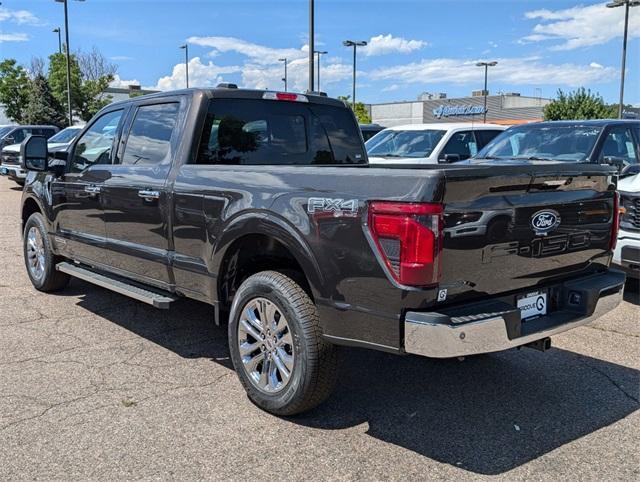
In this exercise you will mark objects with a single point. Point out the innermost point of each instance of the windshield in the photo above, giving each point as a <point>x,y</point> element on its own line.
<point>543,142</point>
<point>4,131</point>
<point>65,135</point>
<point>392,143</point>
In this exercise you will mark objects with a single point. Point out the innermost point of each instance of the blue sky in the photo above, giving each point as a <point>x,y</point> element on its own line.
<point>414,46</point>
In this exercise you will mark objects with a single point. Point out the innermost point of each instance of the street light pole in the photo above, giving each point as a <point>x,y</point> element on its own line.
<point>627,4</point>
<point>355,44</point>
<point>311,43</point>
<point>186,62</point>
<point>486,66</point>
<point>319,52</point>
<point>284,79</point>
<point>57,30</point>
<point>66,37</point>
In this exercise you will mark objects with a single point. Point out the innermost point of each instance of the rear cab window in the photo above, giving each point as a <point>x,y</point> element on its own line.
<point>265,132</point>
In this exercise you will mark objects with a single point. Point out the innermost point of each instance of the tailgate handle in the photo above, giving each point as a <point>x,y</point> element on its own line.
<point>148,195</point>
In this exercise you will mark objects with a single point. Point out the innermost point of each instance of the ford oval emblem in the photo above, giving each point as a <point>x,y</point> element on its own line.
<point>545,221</point>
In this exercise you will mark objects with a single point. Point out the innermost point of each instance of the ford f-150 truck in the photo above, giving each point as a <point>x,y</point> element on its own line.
<point>263,205</point>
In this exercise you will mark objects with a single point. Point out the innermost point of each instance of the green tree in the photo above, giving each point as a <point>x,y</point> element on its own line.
<point>42,107</point>
<point>361,112</point>
<point>579,104</point>
<point>90,76</point>
<point>14,89</point>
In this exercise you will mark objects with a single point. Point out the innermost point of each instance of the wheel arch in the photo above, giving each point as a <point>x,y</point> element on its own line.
<point>252,243</point>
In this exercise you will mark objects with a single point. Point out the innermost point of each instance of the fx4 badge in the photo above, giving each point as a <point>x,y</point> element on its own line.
<point>347,207</point>
<point>545,221</point>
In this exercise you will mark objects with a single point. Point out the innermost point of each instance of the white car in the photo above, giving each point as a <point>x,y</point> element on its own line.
<point>430,143</point>
<point>627,252</point>
<point>11,154</point>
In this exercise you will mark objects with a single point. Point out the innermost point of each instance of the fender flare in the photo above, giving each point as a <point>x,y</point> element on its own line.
<point>274,226</point>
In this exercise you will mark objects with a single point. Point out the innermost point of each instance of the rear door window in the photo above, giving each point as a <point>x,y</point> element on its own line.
<point>263,132</point>
<point>149,139</point>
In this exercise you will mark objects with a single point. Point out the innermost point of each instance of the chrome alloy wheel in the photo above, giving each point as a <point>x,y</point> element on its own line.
<point>266,345</point>
<point>35,253</point>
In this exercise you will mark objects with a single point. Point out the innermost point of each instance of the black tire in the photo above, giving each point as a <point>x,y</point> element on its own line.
<point>50,279</point>
<point>315,364</point>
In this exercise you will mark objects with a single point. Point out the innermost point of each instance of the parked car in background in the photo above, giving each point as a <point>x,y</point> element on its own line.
<point>10,155</point>
<point>627,252</point>
<point>15,134</point>
<point>369,130</point>
<point>615,142</point>
<point>430,143</point>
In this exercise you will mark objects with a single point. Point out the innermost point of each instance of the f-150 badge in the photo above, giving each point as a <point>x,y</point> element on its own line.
<point>329,205</point>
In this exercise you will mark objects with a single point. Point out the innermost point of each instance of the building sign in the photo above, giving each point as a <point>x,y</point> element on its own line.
<point>458,110</point>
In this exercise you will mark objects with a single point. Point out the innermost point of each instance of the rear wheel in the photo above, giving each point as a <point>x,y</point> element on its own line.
<point>39,258</point>
<point>276,345</point>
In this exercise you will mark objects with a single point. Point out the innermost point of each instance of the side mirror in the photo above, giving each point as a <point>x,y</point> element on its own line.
<point>615,161</point>
<point>630,170</point>
<point>34,153</point>
<point>449,158</point>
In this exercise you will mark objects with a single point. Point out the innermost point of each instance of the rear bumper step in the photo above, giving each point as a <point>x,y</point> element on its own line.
<point>438,335</point>
<point>154,298</point>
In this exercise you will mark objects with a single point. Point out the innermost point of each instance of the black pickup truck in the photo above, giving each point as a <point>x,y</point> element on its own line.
<point>262,204</point>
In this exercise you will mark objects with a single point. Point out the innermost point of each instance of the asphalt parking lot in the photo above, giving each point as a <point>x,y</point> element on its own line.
<point>96,386</point>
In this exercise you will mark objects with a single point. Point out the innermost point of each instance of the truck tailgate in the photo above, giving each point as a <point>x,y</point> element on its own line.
<point>510,227</point>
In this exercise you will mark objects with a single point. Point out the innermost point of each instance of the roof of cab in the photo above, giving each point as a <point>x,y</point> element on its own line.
<point>231,93</point>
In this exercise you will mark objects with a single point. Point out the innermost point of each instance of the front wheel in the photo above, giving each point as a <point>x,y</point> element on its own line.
<point>276,346</point>
<point>39,258</point>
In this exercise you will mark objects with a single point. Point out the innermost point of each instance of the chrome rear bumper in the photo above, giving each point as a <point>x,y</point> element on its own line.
<point>435,335</point>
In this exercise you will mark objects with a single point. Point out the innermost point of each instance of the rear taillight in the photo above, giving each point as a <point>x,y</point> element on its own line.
<point>408,237</point>
<point>615,224</point>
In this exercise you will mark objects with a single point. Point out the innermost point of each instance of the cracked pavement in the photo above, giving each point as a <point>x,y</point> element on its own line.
<point>95,386</point>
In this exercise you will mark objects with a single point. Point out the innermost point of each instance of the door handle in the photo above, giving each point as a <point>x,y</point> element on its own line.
<point>148,195</point>
<point>92,189</point>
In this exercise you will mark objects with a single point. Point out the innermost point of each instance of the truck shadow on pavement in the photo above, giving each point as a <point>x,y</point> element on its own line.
<point>488,414</point>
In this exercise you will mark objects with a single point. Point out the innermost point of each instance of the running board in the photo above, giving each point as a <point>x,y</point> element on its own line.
<point>156,299</point>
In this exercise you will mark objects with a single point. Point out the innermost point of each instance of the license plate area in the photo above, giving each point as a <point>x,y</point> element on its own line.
<point>532,304</point>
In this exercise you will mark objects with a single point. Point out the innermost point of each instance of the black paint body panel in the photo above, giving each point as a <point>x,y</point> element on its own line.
<point>179,242</point>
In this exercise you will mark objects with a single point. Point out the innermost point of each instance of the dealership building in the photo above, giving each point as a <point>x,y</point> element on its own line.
<point>505,108</point>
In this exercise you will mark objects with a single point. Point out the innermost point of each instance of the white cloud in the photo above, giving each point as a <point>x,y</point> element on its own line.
<point>258,54</point>
<point>580,26</point>
<point>13,37</point>
<point>19,16</point>
<point>120,58</point>
<point>121,83</point>
<point>515,71</point>
<point>258,76</point>
<point>200,75</point>
<point>391,88</point>
<point>388,44</point>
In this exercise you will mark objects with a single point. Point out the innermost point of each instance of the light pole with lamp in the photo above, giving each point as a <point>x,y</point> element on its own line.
<point>486,66</point>
<point>626,4</point>
<point>319,53</point>
<point>284,79</point>
<point>66,39</point>
<point>355,44</point>
<point>186,62</point>
<point>57,30</point>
